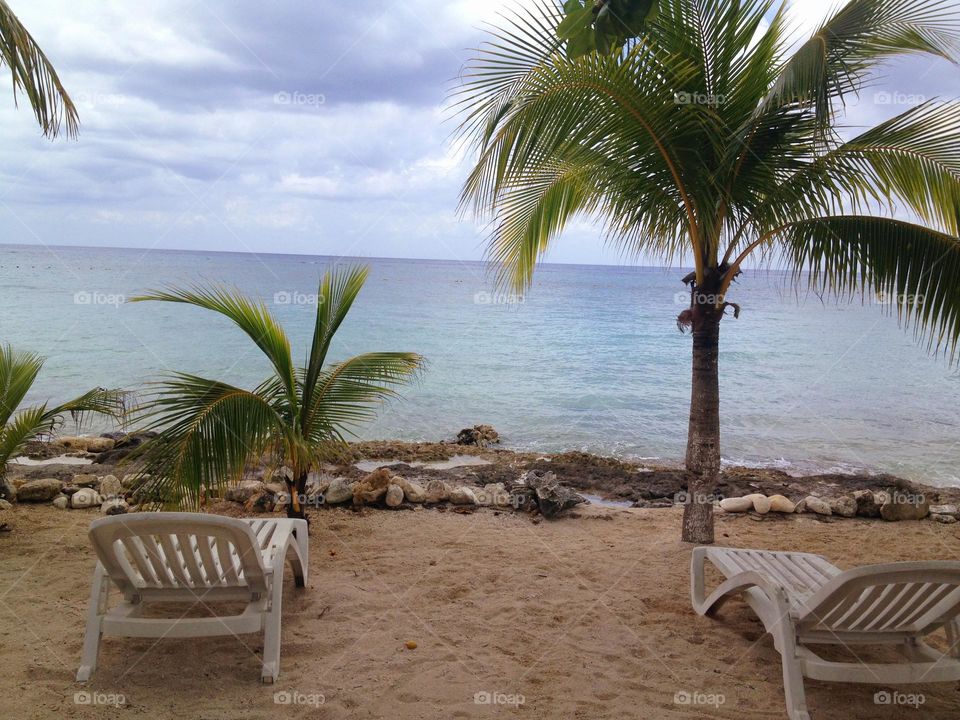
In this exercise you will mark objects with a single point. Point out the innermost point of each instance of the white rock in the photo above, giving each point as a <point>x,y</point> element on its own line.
<point>117,506</point>
<point>85,498</point>
<point>736,505</point>
<point>99,444</point>
<point>131,481</point>
<point>72,442</point>
<point>494,494</point>
<point>844,506</point>
<point>86,480</point>
<point>463,495</point>
<point>761,504</point>
<point>394,496</point>
<point>244,490</point>
<point>61,502</point>
<point>110,487</point>
<point>944,510</point>
<point>437,491</point>
<point>945,519</point>
<point>340,491</point>
<point>781,504</point>
<point>816,505</point>
<point>414,492</point>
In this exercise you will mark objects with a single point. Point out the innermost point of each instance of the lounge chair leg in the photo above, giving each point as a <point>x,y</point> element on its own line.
<point>97,607</point>
<point>792,674</point>
<point>271,632</point>
<point>953,639</point>
<point>697,580</point>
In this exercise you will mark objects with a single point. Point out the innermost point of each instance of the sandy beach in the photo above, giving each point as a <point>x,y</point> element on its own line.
<point>583,617</point>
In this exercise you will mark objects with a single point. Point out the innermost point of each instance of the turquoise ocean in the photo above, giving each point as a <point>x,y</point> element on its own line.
<point>589,358</point>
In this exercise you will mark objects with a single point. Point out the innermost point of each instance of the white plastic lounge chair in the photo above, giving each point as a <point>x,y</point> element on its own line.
<point>192,557</point>
<point>803,600</point>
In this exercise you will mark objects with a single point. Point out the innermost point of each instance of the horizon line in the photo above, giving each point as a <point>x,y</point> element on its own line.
<point>350,257</point>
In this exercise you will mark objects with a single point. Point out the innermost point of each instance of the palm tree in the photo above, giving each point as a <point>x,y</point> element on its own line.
<point>35,77</point>
<point>705,136</point>
<point>209,430</point>
<point>18,371</point>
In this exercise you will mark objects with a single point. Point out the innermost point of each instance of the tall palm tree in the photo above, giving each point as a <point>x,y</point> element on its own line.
<point>209,430</point>
<point>708,136</point>
<point>35,77</point>
<point>18,371</point>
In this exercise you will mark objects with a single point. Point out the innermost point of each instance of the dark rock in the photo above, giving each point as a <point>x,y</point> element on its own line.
<point>243,491</point>
<point>550,496</point>
<point>479,435</point>
<point>867,505</point>
<point>8,491</point>
<point>124,444</point>
<point>897,506</point>
<point>86,480</point>
<point>43,490</point>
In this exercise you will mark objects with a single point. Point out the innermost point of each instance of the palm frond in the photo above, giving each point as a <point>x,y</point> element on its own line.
<point>846,49</point>
<point>913,269</point>
<point>99,401</point>
<point>26,425</point>
<point>250,316</point>
<point>338,290</point>
<point>208,430</point>
<point>348,393</point>
<point>35,77</point>
<point>18,371</point>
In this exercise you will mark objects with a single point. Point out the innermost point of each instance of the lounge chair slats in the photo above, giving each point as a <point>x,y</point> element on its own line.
<point>804,601</point>
<point>188,557</point>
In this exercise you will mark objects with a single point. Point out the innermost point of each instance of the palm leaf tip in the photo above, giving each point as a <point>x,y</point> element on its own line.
<point>913,270</point>
<point>34,75</point>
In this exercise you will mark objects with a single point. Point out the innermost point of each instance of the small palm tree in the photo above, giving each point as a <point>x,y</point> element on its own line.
<point>35,77</point>
<point>209,430</point>
<point>704,136</point>
<point>18,371</point>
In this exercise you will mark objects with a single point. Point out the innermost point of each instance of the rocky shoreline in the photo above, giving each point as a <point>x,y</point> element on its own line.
<point>467,474</point>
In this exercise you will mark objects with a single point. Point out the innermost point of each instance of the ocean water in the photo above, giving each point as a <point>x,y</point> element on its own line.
<point>589,359</point>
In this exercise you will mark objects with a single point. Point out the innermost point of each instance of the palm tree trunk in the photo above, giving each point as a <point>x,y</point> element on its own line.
<point>297,489</point>
<point>703,436</point>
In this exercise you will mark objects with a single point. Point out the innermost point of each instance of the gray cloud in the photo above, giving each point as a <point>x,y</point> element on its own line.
<point>282,126</point>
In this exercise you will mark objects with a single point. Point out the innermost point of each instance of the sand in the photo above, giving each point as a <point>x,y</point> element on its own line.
<point>586,617</point>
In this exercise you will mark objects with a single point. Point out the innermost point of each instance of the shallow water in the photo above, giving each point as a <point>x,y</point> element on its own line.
<point>590,359</point>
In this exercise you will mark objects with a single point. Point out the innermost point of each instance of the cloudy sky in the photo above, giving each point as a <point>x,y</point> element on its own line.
<point>275,127</point>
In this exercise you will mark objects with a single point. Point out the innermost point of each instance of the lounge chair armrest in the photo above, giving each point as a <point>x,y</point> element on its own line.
<point>739,583</point>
